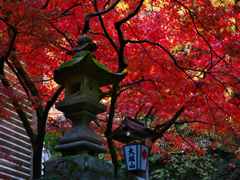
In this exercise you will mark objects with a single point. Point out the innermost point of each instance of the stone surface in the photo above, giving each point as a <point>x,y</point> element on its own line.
<point>81,137</point>
<point>84,63</point>
<point>78,103</point>
<point>81,167</point>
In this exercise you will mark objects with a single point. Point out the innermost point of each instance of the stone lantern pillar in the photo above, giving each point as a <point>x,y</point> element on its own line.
<point>82,78</point>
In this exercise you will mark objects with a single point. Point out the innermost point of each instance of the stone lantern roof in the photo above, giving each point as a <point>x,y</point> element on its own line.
<point>84,63</point>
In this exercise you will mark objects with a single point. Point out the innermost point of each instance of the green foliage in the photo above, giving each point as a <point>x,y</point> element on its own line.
<point>214,165</point>
<point>227,166</point>
<point>182,167</point>
<point>50,141</point>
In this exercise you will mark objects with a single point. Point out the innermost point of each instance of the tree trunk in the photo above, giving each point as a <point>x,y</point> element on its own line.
<point>37,159</point>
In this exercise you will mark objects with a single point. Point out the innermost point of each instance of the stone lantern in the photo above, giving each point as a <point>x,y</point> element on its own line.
<point>82,78</point>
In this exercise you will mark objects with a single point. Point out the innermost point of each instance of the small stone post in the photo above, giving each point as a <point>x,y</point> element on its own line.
<point>82,78</point>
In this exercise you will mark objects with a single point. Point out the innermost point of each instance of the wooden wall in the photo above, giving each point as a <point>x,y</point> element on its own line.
<point>15,148</point>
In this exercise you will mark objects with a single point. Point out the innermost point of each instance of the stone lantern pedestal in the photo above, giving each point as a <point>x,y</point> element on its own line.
<point>82,78</point>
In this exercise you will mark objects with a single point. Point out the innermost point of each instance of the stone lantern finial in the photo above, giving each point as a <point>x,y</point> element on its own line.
<point>85,43</point>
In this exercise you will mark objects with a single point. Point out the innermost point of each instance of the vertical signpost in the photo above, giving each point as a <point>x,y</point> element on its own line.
<point>136,159</point>
<point>135,154</point>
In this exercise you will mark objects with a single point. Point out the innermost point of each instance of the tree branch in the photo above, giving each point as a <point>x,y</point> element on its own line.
<point>12,38</point>
<point>160,130</point>
<point>23,77</point>
<point>203,37</point>
<point>17,65</point>
<point>91,15</point>
<point>45,5</point>
<point>70,41</point>
<point>52,100</point>
<point>66,11</point>
<point>121,67</point>
<point>22,115</point>
<point>21,74</point>
<point>106,34</point>
<point>125,87</point>
<point>1,67</point>
<point>172,57</point>
<point>19,78</point>
<point>108,131</point>
<point>122,64</point>
<point>130,15</point>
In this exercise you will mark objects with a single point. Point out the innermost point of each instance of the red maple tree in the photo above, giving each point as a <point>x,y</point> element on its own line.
<point>177,54</point>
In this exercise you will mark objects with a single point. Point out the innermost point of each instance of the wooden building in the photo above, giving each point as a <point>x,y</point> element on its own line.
<point>15,147</point>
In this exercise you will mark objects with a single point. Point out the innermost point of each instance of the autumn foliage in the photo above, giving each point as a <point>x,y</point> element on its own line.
<point>176,52</point>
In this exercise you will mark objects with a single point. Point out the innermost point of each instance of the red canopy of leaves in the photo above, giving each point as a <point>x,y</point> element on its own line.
<point>179,53</point>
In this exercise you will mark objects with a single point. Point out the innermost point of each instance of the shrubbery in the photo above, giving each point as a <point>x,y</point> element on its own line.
<point>214,165</point>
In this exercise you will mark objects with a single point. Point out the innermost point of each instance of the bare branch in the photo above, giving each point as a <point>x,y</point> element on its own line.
<point>52,100</point>
<point>107,3</point>
<point>138,111</point>
<point>45,5</point>
<point>130,15</point>
<point>192,16</point>
<point>22,115</point>
<point>48,106</point>
<point>1,67</point>
<point>17,65</point>
<point>66,11</point>
<point>3,19</point>
<point>110,39</point>
<point>172,57</point>
<point>21,82</point>
<point>12,36</point>
<point>21,73</point>
<point>160,130</point>
<point>122,64</point>
<point>174,60</point>
<point>67,51</point>
<point>150,111</point>
<point>108,131</point>
<point>69,40</point>
<point>22,76</point>
<point>125,87</point>
<point>91,15</point>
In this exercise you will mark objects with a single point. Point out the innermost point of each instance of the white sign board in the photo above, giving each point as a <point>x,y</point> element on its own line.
<point>144,157</point>
<point>136,157</point>
<point>130,152</point>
